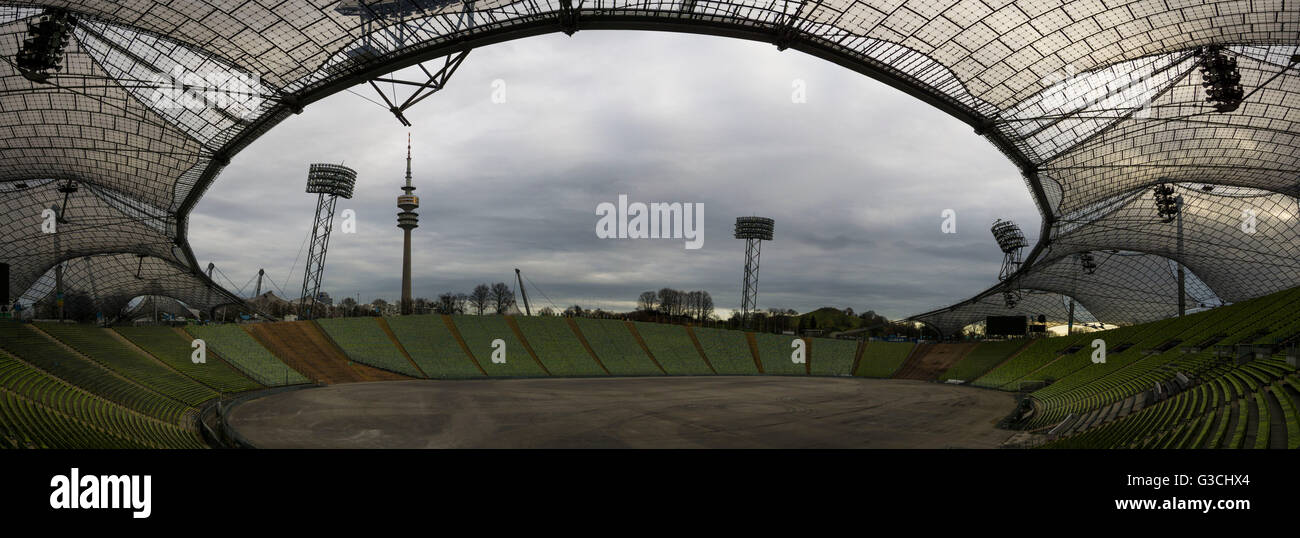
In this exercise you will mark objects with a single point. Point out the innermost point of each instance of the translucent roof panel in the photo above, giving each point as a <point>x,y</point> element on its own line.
<point>1094,101</point>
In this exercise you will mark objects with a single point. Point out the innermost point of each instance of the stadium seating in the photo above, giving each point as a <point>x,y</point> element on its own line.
<point>41,351</point>
<point>984,357</point>
<point>41,411</point>
<point>235,346</point>
<point>365,341</point>
<point>557,346</point>
<point>616,347</point>
<point>1138,368</point>
<point>1036,355</point>
<point>433,347</point>
<point>774,350</point>
<point>931,359</point>
<point>882,359</point>
<point>307,349</point>
<point>830,356</point>
<point>102,346</point>
<point>672,348</point>
<point>1187,382</point>
<point>728,351</point>
<point>1232,407</point>
<point>172,348</point>
<point>479,332</point>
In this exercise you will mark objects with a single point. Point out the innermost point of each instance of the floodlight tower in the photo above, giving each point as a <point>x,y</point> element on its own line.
<point>329,182</point>
<point>754,230</point>
<point>1012,241</point>
<point>407,220</point>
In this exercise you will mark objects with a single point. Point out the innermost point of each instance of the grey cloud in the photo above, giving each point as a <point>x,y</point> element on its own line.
<point>856,179</point>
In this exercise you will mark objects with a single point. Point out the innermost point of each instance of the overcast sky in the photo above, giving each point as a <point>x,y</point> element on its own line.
<point>856,177</point>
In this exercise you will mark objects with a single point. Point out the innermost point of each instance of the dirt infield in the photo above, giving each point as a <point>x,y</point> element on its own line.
<point>641,412</point>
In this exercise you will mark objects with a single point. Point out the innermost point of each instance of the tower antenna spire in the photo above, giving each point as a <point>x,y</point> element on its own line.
<point>408,160</point>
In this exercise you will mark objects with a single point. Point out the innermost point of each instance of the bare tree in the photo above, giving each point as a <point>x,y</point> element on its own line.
<point>446,303</point>
<point>422,305</point>
<point>480,297</point>
<point>502,297</point>
<point>348,307</point>
<point>646,301</point>
<point>668,301</point>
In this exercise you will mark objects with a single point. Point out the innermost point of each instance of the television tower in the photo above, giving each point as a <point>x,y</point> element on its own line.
<point>407,220</point>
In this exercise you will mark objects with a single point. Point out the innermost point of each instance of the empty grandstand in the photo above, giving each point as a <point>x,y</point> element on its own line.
<point>1156,139</point>
<point>433,347</point>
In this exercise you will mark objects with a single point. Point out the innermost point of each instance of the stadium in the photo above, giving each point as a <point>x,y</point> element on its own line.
<point>1158,141</point>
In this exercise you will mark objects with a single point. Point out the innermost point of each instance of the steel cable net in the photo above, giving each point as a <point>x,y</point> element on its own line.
<point>111,282</point>
<point>1091,101</point>
<point>154,306</point>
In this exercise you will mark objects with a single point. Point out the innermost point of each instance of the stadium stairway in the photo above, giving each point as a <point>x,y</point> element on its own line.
<point>929,361</point>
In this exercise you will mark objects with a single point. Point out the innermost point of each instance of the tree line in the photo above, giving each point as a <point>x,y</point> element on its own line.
<point>696,305</point>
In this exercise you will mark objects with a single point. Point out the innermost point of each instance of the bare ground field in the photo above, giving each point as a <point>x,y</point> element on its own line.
<point>629,412</point>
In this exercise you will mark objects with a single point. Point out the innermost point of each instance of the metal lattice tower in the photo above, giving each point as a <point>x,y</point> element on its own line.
<point>329,181</point>
<point>407,220</point>
<point>754,230</point>
<point>1012,242</point>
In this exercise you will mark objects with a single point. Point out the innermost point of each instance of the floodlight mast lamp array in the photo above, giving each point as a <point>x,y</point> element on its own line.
<point>1087,266</point>
<point>754,230</point>
<point>1169,208</point>
<point>42,50</point>
<point>1012,243</point>
<point>1220,78</point>
<point>329,182</point>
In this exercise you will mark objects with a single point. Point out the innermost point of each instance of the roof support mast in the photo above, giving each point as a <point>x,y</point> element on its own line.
<point>524,294</point>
